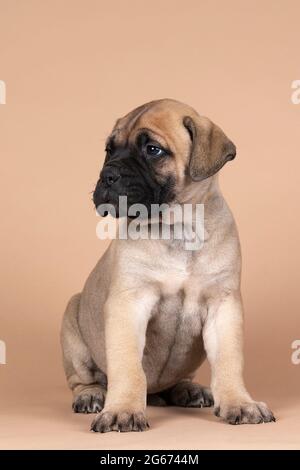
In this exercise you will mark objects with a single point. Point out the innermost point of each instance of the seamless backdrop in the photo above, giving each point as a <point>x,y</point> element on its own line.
<point>71,68</point>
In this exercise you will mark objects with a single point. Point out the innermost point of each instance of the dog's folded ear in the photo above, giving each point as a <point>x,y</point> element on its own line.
<point>210,150</point>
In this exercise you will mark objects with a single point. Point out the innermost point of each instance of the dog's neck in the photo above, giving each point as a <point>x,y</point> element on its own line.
<point>199,192</point>
<point>190,202</point>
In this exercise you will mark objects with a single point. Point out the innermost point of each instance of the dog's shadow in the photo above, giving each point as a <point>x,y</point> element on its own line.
<point>159,415</point>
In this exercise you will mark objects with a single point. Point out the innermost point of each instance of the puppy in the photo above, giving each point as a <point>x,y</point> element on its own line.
<point>151,311</point>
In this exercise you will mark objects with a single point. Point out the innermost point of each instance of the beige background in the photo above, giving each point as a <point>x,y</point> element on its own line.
<point>71,68</point>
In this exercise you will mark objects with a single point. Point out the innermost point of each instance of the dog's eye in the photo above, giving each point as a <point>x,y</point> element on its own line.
<point>154,151</point>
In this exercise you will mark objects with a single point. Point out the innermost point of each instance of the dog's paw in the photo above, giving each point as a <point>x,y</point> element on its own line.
<point>191,395</point>
<point>120,421</point>
<point>88,403</point>
<point>245,413</point>
<point>154,399</point>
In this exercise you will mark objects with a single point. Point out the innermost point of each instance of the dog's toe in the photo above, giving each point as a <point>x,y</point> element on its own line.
<point>88,403</point>
<point>189,394</point>
<point>245,413</point>
<point>122,422</point>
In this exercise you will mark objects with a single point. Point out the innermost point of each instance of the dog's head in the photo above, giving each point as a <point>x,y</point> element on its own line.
<point>156,151</point>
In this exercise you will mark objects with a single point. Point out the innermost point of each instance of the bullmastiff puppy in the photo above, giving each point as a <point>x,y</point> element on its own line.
<point>151,311</point>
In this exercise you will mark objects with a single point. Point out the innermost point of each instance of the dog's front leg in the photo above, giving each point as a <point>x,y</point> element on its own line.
<point>126,319</point>
<point>223,339</point>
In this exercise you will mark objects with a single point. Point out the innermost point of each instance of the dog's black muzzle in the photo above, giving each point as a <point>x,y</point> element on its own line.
<point>131,177</point>
<point>128,172</point>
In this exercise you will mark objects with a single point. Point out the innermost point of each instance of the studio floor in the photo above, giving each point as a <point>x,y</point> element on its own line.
<point>45,421</point>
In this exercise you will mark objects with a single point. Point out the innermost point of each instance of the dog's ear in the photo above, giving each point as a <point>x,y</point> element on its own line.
<point>210,150</point>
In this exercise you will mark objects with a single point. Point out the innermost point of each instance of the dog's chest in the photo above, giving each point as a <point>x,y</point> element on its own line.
<point>180,289</point>
<point>180,292</point>
<point>174,343</point>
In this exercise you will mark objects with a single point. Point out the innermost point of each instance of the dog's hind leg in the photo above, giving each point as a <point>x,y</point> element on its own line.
<point>188,394</point>
<point>155,399</point>
<point>87,382</point>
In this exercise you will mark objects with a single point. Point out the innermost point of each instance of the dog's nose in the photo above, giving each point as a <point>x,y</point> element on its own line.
<point>110,175</point>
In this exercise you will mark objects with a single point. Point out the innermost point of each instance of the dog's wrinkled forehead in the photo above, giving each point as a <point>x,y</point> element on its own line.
<point>161,119</point>
<point>198,147</point>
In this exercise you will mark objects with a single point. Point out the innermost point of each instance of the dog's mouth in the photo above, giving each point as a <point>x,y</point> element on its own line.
<point>121,193</point>
<point>118,204</point>
<point>124,204</point>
